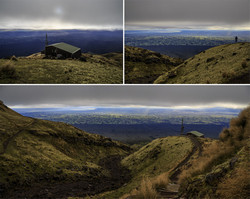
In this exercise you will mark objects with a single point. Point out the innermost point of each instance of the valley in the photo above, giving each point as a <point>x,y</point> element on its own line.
<point>139,125</point>
<point>182,43</point>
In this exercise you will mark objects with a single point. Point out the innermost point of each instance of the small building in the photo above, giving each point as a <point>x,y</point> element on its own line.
<point>195,134</point>
<point>62,50</point>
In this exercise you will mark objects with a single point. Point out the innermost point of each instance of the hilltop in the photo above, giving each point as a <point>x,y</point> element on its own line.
<point>89,69</point>
<point>144,66</point>
<point>223,64</point>
<point>42,159</point>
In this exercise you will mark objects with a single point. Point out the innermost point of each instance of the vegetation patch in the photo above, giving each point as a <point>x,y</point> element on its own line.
<point>218,65</point>
<point>96,69</point>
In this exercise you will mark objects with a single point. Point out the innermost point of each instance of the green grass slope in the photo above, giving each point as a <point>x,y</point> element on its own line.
<point>42,159</point>
<point>223,64</point>
<point>144,66</point>
<point>153,159</point>
<point>96,69</point>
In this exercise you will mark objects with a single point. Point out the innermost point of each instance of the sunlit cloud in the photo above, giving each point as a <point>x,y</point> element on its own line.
<point>136,106</point>
<point>184,25</point>
<point>53,24</point>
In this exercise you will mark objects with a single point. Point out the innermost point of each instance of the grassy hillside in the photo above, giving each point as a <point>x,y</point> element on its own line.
<point>223,64</point>
<point>42,159</point>
<point>144,66</point>
<point>222,171</point>
<point>94,69</point>
<point>152,160</point>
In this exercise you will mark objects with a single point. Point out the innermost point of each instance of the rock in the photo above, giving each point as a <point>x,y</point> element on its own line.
<point>13,58</point>
<point>232,162</point>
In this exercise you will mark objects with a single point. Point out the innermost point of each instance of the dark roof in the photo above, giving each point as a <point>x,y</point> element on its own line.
<point>196,133</point>
<point>66,47</point>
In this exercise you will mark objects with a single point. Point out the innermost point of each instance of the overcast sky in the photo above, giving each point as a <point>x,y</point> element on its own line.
<point>188,14</point>
<point>109,96</point>
<point>61,14</point>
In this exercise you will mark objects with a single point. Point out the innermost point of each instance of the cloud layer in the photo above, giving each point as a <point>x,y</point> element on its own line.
<point>185,14</point>
<point>61,14</point>
<point>131,96</point>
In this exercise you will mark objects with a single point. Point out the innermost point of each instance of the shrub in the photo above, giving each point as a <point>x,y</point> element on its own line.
<point>161,181</point>
<point>239,129</point>
<point>244,64</point>
<point>8,69</point>
<point>210,59</point>
<point>13,58</point>
<point>146,190</point>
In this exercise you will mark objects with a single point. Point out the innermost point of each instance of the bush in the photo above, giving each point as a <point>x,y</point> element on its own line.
<point>239,129</point>
<point>7,70</point>
<point>210,59</point>
<point>161,181</point>
<point>244,64</point>
<point>146,190</point>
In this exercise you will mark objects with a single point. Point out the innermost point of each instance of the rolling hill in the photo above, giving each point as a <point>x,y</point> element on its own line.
<point>143,66</point>
<point>45,159</point>
<point>223,64</point>
<point>42,159</point>
<point>91,69</point>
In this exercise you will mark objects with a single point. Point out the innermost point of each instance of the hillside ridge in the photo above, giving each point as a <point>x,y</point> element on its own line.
<point>229,63</point>
<point>38,155</point>
<point>88,69</point>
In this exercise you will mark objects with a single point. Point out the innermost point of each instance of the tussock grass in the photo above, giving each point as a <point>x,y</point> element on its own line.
<point>239,131</point>
<point>7,70</point>
<point>146,190</point>
<point>236,185</point>
<point>215,153</point>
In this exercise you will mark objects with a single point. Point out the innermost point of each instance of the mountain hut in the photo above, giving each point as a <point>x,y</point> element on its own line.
<point>62,50</point>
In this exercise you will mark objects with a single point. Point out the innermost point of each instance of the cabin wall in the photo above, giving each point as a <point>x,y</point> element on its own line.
<point>53,51</point>
<point>77,54</point>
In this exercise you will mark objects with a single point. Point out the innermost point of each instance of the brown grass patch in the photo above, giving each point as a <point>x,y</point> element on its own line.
<point>214,152</point>
<point>161,181</point>
<point>237,185</point>
<point>8,69</point>
<point>148,187</point>
<point>146,190</point>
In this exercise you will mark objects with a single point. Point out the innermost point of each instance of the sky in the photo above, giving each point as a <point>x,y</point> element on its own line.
<point>174,96</point>
<point>188,14</point>
<point>61,14</point>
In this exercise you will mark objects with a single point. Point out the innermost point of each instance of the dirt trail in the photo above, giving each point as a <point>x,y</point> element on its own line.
<point>6,142</point>
<point>173,187</point>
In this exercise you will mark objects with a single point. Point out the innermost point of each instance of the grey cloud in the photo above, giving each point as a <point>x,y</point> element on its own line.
<point>124,95</point>
<point>79,12</point>
<point>215,12</point>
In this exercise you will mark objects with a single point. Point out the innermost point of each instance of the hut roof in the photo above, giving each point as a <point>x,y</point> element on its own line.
<point>196,133</point>
<point>66,47</point>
